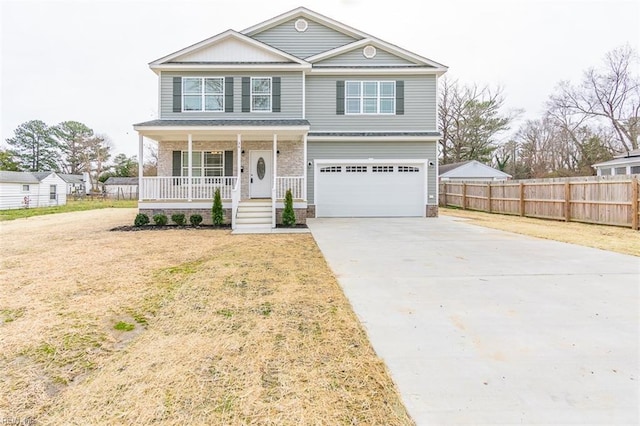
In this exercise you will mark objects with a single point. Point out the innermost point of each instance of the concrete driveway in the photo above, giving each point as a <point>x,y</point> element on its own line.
<point>479,326</point>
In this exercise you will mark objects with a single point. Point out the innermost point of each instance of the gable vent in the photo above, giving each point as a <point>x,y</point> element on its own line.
<point>369,52</point>
<point>301,25</point>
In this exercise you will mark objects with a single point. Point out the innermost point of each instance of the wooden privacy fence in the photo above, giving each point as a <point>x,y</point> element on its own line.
<point>611,200</point>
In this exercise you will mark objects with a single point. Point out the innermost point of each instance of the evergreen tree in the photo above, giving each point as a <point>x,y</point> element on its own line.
<point>288,215</point>
<point>217,213</point>
<point>35,148</point>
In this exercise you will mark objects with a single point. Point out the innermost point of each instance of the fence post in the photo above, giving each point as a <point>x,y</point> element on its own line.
<point>521,199</point>
<point>634,203</point>
<point>567,201</point>
<point>464,195</point>
<point>489,197</point>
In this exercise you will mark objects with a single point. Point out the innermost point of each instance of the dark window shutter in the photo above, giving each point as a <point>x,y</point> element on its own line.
<point>228,163</point>
<point>399,97</point>
<point>228,94</point>
<point>177,163</point>
<point>275,94</point>
<point>177,94</point>
<point>246,94</point>
<point>340,97</point>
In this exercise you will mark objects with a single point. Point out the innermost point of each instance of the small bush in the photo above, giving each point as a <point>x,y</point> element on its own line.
<point>195,219</point>
<point>160,219</point>
<point>141,219</point>
<point>178,219</point>
<point>217,213</point>
<point>288,215</point>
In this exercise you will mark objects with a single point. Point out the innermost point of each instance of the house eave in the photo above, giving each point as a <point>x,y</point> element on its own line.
<point>372,138</point>
<point>411,70</point>
<point>228,67</point>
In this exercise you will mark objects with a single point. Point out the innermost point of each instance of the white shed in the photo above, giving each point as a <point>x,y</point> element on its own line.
<point>28,190</point>
<point>121,188</point>
<point>470,171</point>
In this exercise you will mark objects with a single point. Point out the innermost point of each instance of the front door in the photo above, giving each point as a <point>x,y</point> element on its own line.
<point>261,174</point>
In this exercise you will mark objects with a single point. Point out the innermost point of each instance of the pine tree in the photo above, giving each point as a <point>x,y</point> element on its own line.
<point>217,213</point>
<point>35,148</point>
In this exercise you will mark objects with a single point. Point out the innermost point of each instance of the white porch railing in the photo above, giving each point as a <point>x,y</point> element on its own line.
<point>294,183</point>
<point>176,188</point>
<point>235,201</point>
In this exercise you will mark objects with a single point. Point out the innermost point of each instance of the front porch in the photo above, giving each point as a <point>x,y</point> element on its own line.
<point>263,162</point>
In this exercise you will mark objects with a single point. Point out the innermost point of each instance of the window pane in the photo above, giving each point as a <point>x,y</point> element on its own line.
<point>197,158</point>
<point>213,103</point>
<point>370,106</point>
<point>353,88</point>
<point>192,85</point>
<point>192,103</point>
<point>261,103</point>
<point>353,106</point>
<point>261,85</point>
<point>387,106</point>
<point>213,172</point>
<point>387,88</point>
<point>213,159</point>
<point>213,85</point>
<point>370,88</point>
<point>605,172</point>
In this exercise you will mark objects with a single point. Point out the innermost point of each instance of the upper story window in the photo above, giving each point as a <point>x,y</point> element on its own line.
<point>370,97</point>
<point>261,94</point>
<point>203,94</point>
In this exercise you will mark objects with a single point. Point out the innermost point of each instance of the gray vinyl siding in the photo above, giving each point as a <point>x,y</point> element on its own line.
<point>316,39</point>
<point>290,96</point>
<point>355,57</point>
<point>419,106</point>
<point>340,150</point>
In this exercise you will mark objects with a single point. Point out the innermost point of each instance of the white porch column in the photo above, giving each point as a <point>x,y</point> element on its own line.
<point>274,190</point>
<point>304,167</point>
<point>239,159</point>
<point>190,167</point>
<point>140,165</point>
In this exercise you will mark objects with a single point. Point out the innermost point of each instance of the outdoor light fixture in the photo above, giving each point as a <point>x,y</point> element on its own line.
<point>243,152</point>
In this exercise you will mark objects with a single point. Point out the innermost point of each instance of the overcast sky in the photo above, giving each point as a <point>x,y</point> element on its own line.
<point>88,61</point>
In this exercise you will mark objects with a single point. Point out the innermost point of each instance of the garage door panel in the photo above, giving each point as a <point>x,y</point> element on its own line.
<point>370,194</point>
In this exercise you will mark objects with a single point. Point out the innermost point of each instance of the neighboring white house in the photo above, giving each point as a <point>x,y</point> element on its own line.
<point>121,187</point>
<point>28,190</point>
<point>76,184</point>
<point>471,170</point>
<point>626,164</point>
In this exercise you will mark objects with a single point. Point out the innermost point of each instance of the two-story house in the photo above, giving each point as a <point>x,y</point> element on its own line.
<point>346,121</point>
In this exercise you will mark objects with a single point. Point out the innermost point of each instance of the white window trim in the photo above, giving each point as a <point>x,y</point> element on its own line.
<point>202,94</point>
<point>362,97</point>
<point>28,188</point>
<point>184,168</point>
<point>261,94</point>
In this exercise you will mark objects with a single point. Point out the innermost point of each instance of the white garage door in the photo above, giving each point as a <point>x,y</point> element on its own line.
<point>369,189</point>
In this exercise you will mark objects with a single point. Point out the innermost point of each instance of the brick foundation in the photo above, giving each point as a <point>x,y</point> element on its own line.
<point>301,216</point>
<point>432,211</point>
<point>311,210</point>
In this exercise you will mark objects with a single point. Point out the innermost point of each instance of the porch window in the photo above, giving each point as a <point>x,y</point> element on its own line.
<point>204,163</point>
<point>370,97</point>
<point>261,94</point>
<point>203,94</point>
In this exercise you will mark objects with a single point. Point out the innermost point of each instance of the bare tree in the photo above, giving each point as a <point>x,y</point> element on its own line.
<point>150,165</point>
<point>470,120</point>
<point>610,95</point>
<point>94,158</point>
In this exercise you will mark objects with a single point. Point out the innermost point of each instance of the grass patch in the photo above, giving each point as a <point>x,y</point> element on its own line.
<point>124,326</point>
<point>71,206</point>
<point>10,315</point>
<point>233,333</point>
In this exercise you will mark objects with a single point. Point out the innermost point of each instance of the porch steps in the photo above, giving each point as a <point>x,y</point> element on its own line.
<point>254,215</point>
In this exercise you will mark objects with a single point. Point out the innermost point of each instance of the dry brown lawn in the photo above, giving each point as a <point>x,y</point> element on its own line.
<point>247,329</point>
<point>621,240</point>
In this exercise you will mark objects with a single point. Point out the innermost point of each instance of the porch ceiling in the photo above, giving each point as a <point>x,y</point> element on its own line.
<point>171,130</point>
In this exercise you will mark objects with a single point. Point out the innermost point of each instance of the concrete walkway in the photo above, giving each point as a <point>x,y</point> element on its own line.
<point>479,326</point>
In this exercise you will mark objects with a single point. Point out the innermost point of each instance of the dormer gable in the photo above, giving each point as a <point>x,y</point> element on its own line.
<point>226,49</point>
<point>372,52</point>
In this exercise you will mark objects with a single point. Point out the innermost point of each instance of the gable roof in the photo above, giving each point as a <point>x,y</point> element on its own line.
<point>362,37</point>
<point>470,169</point>
<point>77,179</point>
<point>213,51</point>
<point>113,180</point>
<point>18,177</point>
